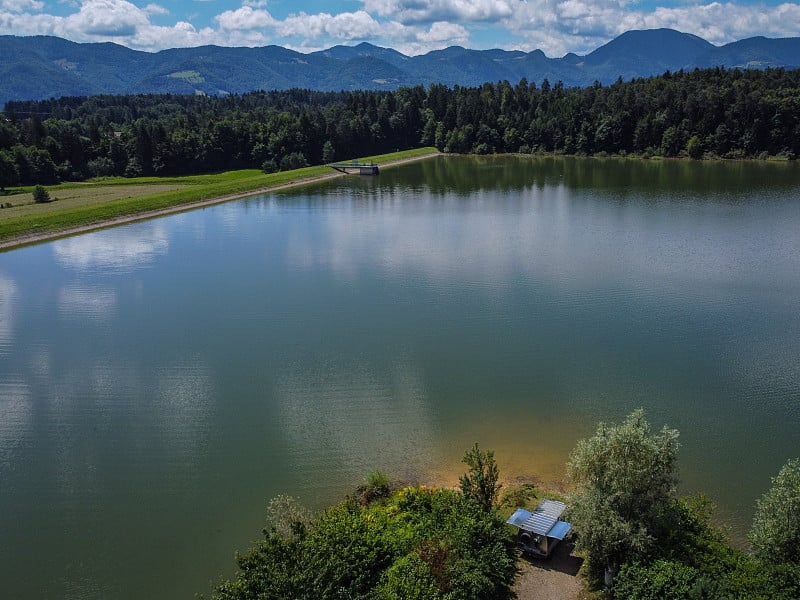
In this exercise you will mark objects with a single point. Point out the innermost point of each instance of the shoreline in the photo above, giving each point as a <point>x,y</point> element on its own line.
<point>36,238</point>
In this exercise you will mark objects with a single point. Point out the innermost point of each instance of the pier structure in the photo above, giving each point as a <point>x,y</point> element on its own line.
<point>356,168</point>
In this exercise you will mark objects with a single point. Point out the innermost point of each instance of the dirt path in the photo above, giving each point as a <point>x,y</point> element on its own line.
<point>555,578</point>
<point>24,240</point>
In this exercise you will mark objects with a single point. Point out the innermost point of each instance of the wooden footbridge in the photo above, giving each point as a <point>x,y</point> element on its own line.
<point>356,168</point>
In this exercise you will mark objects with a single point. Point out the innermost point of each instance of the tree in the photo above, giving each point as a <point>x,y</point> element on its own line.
<point>328,152</point>
<point>694,147</point>
<point>8,170</point>
<point>295,160</point>
<point>775,535</point>
<point>480,482</point>
<point>626,477</point>
<point>40,195</point>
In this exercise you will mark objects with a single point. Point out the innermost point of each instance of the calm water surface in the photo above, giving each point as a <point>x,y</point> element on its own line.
<point>160,381</point>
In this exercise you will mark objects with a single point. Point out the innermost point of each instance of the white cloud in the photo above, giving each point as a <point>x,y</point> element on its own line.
<point>155,9</point>
<point>412,41</point>
<point>18,6</point>
<point>107,18</point>
<point>442,31</point>
<point>410,26</point>
<point>558,27</point>
<point>418,11</point>
<point>245,18</point>
<point>722,23</point>
<point>344,26</point>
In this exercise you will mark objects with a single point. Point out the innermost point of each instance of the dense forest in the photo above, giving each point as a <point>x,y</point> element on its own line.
<point>704,113</point>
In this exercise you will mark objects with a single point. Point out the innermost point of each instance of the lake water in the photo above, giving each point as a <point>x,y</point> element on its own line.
<point>159,382</point>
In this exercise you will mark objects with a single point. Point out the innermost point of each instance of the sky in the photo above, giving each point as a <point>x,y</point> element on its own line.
<point>410,26</point>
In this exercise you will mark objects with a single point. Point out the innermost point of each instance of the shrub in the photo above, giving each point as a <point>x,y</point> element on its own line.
<point>663,580</point>
<point>269,166</point>
<point>518,495</point>
<point>479,484</point>
<point>375,487</point>
<point>421,543</point>
<point>694,147</point>
<point>295,160</point>
<point>287,517</point>
<point>408,579</point>
<point>41,195</point>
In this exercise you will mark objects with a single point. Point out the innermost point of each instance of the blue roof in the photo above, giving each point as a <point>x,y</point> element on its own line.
<point>559,530</point>
<point>519,517</point>
<point>543,520</point>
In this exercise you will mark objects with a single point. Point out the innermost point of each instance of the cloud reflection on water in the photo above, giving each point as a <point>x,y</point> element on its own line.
<point>550,233</point>
<point>117,249</point>
<point>442,239</point>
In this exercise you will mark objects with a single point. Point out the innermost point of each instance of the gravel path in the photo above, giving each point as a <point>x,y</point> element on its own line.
<point>554,578</point>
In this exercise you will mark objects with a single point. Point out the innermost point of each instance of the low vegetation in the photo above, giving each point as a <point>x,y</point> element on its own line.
<point>414,543</point>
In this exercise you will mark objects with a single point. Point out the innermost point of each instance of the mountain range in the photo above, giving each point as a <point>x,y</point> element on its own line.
<point>41,67</point>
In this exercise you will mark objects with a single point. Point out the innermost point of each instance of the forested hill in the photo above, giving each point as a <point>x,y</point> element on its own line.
<point>712,113</point>
<point>34,68</point>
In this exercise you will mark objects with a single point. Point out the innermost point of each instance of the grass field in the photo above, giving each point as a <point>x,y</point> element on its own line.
<point>102,201</point>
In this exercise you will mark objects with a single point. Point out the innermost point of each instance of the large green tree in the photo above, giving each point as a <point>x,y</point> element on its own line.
<point>625,476</point>
<point>775,535</point>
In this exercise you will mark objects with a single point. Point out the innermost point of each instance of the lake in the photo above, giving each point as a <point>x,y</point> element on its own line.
<point>160,381</point>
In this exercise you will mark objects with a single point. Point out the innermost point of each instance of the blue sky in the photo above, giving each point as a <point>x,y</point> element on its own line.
<point>410,26</point>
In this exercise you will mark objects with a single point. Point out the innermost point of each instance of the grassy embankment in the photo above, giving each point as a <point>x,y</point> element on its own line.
<point>98,202</point>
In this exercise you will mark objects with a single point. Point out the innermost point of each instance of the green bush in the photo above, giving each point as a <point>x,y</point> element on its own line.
<point>421,543</point>
<point>663,580</point>
<point>41,195</point>
<point>375,487</point>
<point>518,495</point>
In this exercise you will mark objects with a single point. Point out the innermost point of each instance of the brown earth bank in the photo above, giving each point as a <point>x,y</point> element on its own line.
<point>27,239</point>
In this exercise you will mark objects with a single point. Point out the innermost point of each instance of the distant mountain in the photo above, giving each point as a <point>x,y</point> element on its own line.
<point>660,49</point>
<point>40,67</point>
